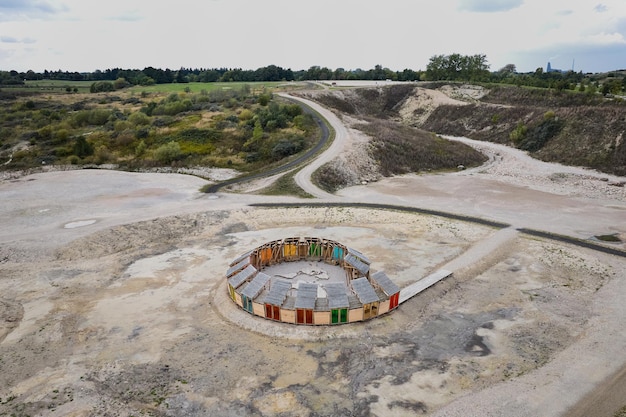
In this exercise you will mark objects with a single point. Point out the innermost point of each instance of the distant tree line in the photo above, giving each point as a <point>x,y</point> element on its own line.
<point>453,67</point>
<point>151,75</point>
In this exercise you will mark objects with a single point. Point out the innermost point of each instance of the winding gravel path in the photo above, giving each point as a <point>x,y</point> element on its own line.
<point>303,177</point>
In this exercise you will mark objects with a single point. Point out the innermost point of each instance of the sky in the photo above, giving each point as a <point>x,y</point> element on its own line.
<point>87,35</point>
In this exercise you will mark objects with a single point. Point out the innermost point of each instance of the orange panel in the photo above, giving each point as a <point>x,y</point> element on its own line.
<point>266,255</point>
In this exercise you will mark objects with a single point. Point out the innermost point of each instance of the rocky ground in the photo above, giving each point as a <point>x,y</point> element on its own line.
<point>135,319</point>
<point>113,300</point>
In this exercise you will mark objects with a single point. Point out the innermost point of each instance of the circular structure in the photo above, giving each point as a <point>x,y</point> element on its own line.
<point>311,281</point>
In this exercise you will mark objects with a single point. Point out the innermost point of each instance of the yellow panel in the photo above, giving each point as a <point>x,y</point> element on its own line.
<point>288,316</point>
<point>290,250</point>
<point>321,317</point>
<point>238,300</point>
<point>355,315</point>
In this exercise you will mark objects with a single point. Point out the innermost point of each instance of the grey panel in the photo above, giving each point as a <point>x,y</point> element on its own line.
<point>364,290</point>
<point>359,255</point>
<point>387,285</point>
<point>242,276</point>
<point>256,285</point>
<point>355,262</point>
<point>278,291</point>
<point>307,293</point>
<point>241,258</point>
<point>238,267</point>
<point>337,297</point>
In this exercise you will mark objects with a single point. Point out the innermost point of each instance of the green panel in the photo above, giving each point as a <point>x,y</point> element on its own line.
<point>315,250</point>
<point>344,315</point>
<point>334,316</point>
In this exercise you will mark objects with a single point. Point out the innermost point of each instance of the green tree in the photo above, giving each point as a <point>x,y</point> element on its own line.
<point>458,67</point>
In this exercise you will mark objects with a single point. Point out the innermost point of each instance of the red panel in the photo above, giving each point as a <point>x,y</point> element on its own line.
<point>276,313</point>
<point>299,316</point>
<point>268,311</point>
<point>309,316</point>
<point>393,301</point>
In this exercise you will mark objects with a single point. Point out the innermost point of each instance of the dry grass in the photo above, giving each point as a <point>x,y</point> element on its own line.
<point>400,149</point>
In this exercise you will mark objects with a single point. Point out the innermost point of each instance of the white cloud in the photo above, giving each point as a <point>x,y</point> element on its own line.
<point>489,6</point>
<point>28,9</point>
<point>601,8</point>
<point>80,35</point>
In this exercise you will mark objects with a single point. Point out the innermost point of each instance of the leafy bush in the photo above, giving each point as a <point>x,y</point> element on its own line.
<point>82,148</point>
<point>168,153</point>
<point>519,133</point>
<point>330,177</point>
<point>139,119</point>
<point>173,108</point>
<point>140,149</point>
<point>101,86</point>
<point>538,136</point>
<point>95,117</point>
<point>286,147</point>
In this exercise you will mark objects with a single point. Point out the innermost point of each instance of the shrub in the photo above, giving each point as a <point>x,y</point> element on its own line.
<point>519,133</point>
<point>330,178</point>
<point>168,153</point>
<point>95,117</point>
<point>286,147</point>
<point>101,86</point>
<point>82,148</point>
<point>538,136</point>
<point>102,155</point>
<point>139,119</point>
<point>140,149</point>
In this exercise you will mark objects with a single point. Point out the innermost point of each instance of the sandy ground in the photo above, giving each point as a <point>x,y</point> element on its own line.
<point>113,299</point>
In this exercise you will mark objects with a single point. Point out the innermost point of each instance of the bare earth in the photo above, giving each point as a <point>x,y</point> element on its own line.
<point>113,298</point>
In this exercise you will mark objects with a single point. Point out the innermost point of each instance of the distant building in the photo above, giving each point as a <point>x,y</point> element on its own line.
<point>550,69</point>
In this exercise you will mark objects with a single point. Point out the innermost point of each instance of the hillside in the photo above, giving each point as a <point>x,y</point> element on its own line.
<point>381,145</point>
<point>567,127</point>
<point>232,126</point>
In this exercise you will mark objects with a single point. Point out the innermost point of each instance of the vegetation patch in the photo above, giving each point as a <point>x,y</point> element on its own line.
<point>241,127</point>
<point>330,177</point>
<point>569,127</point>
<point>400,149</point>
<point>534,138</point>
<point>613,238</point>
<point>285,185</point>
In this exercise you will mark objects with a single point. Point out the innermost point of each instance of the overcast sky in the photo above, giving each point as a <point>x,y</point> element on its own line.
<point>85,35</point>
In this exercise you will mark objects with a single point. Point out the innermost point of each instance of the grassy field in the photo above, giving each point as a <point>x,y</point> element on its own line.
<point>60,86</point>
<point>198,87</point>
<point>56,86</point>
